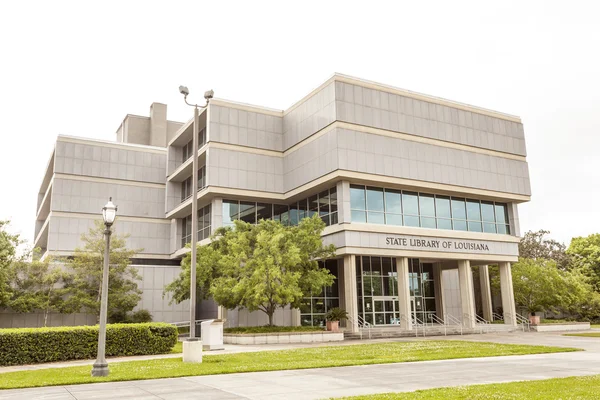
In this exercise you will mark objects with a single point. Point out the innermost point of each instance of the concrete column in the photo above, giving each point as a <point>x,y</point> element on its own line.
<point>465,281</point>
<point>440,308</point>
<point>404,293</point>
<point>296,317</point>
<point>486,293</point>
<point>350,292</point>
<point>343,199</point>
<point>508,296</point>
<point>216,214</point>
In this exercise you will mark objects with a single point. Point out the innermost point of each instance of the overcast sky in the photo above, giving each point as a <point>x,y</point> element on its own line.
<point>76,68</point>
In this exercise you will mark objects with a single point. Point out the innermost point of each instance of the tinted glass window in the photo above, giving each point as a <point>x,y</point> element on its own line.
<point>473,211</point>
<point>357,198</point>
<point>458,209</point>
<point>442,206</point>
<point>487,211</point>
<point>410,203</point>
<point>393,201</point>
<point>374,199</point>
<point>426,205</point>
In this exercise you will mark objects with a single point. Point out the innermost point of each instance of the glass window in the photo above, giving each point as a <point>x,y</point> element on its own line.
<point>443,223</point>
<point>458,209</point>
<point>459,225</point>
<point>489,227</point>
<point>248,212</point>
<point>411,220</point>
<point>487,211</point>
<point>428,222</point>
<point>375,217</point>
<point>426,205</point>
<point>502,229</point>
<point>410,204</point>
<point>302,209</point>
<point>501,213</point>
<point>359,216</point>
<point>230,212</point>
<point>475,226</point>
<point>393,201</point>
<point>333,205</point>
<point>442,206</point>
<point>324,203</point>
<point>473,210</point>
<point>294,214</point>
<point>263,211</point>
<point>357,198</point>
<point>281,214</point>
<point>393,219</point>
<point>375,199</point>
<point>313,203</point>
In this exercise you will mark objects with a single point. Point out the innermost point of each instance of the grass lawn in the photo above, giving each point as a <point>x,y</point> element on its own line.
<point>580,388</point>
<point>596,326</point>
<point>178,348</point>
<point>587,334</point>
<point>314,357</point>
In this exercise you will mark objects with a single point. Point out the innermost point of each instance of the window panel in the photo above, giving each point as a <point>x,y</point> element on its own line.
<point>410,220</point>
<point>426,205</point>
<point>302,209</point>
<point>393,201</point>
<point>458,209</point>
<point>248,212</point>
<point>375,217</point>
<point>263,211</point>
<point>357,198</point>
<point>487,212</point>
<point>501,217</point>
<point>375,199</point>
<point>324,203</point>
<point>359,216</point>
<point>333,199</point>
<point>443,223</point>
<point>489,227</point>
<point>313,204</point>
<point>393,219</point>
<point>459,225</point>
<point>475,226</point>
<point>230,212</point>
<point>410,204</point>
<point>442,206</point>
<point>502,228</point>
<point>473,210</point>
<point>428,222</point>
<point>281,213</point>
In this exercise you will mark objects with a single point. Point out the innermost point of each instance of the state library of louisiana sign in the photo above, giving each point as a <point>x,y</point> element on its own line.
<point>431,244</point>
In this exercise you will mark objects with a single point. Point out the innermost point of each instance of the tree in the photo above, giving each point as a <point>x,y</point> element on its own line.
<point>8,248</point>
<point>84,282</point>
<point>585,252</point>
<point>534,245</point>
<point>539,285</point>
<point>260,267</point>
<point>37,285</point>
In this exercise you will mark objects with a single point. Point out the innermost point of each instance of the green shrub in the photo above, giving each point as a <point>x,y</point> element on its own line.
<point>272,329</point>
<point>39,345</point>
<point>336,314</point>
<point>141,316</point>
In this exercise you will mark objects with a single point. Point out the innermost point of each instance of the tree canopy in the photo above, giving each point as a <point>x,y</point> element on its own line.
<point>259,267</point>
<point>535,245</point>
<point>585,253</point>
<point>8,251</point>
<point>84,282</point>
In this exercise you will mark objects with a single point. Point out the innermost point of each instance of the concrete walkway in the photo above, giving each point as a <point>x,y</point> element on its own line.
<point>345,381</point>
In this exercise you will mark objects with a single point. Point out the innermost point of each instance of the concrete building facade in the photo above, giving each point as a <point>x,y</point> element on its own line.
<point>415,191</point>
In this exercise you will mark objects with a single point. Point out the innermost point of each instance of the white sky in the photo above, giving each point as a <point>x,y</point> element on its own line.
<point>77,68</point>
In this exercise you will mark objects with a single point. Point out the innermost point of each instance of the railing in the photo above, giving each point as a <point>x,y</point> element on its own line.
<point>469,317</point>
<point>364,324</point>
<point>450,319</point>
<point>481,320</point>
<point>416,323</point>
<point>185,324</point>
<point>497,317</point>
<point>520,320</point>
<point>438,320</point>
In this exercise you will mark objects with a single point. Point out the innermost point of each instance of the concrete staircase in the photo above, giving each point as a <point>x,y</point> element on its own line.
<point>381,332</point>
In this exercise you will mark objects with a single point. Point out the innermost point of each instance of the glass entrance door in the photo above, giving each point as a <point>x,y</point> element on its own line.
<point>385,311</point>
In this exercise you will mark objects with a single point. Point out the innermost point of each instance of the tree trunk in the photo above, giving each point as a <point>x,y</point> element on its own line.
<point>270,314</point>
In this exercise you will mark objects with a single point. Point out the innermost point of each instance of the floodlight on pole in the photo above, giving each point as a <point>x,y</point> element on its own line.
<point>194,239</point>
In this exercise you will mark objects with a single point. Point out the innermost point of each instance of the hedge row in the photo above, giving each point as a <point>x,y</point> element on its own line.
<point>40,345</point>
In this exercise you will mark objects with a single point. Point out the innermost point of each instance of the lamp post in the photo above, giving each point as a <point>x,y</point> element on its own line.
<point>194,239</point>
<point>100,368</point>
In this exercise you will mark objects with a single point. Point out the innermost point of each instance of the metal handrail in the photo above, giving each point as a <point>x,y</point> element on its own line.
<point>521,320</point>
<point>497,317</point>
<point>454,320</point>
<point>481,320</point>
<point>364,324</point>
<point>469,317</point>
<point>439,321</point>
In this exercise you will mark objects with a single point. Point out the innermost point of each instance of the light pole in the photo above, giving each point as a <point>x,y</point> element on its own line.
<point>100,368</point>
<point>195,133</point>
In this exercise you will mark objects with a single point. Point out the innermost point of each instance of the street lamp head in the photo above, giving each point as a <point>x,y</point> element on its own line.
<point>209,95</point>
<point>109,212</point>
<point>184,90</point>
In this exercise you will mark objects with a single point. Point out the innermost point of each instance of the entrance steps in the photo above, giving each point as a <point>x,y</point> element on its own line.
<point>381,332</point>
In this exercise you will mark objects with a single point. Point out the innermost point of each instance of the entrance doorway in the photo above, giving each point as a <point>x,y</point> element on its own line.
<point>385,310</point>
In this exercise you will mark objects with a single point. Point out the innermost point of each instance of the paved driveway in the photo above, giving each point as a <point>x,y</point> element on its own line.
<point>343,381</point>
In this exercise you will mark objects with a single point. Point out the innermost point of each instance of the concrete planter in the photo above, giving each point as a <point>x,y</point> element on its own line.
<point>282,338</point>
<point>534,319</point>
<point>569,326</point>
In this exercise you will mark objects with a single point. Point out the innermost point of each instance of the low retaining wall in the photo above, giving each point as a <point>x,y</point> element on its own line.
<point>570,326</point>
<point>282,338</point>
